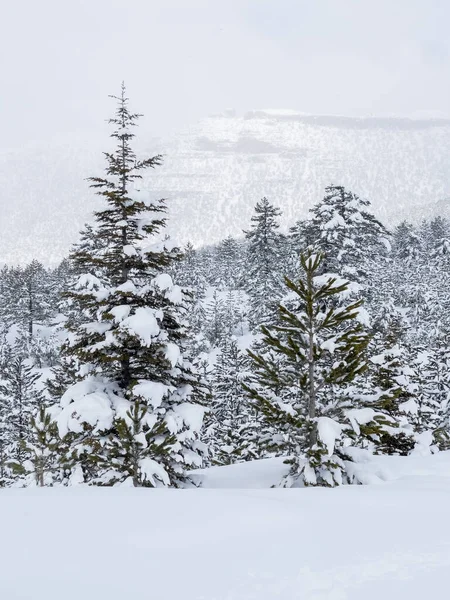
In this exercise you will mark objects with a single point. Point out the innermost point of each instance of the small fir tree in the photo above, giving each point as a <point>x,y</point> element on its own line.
<point>45,449</point>
<point>323,346</point>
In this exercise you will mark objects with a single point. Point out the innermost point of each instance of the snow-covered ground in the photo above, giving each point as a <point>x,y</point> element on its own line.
<point>385,541</point>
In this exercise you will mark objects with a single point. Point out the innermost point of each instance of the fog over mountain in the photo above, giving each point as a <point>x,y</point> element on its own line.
<point>184,60</point>
<point>216,170</point>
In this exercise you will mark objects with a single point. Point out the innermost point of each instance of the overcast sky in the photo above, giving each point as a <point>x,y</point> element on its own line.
<point>185,59</point>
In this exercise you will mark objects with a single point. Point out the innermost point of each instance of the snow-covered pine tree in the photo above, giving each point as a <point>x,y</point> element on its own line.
<point>417,280</point>
<point>28,298</point>
<point>439,239</point>
<point>391,381</point>
<point>263,274</point>
<point>298,236</point>
<point>214,324</point>
<point>323,346</point>
<point>45,448</point>
<point>6,439</point>
<point>59,278</point>
<point>188,272</point>
<point>427,312</point>
<point>234,313</point>
<point>406,242</point>
<point>4,295</point>
<point>228,258</point>
<point>431,414</point>
<point>139,448</point>
<point>206,264</point>
<point>390,378</point>
<point>231,413</point>
<point>295,242</point>
<point>353,241</point>
<point>128,334</point>
<point>43,348</point>
<point>21,400</point>
<point>61,377</point>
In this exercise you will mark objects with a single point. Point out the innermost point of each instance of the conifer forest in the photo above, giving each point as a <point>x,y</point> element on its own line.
<point>138,361</point>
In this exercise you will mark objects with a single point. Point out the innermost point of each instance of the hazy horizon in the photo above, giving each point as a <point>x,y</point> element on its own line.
<point>184,61</point>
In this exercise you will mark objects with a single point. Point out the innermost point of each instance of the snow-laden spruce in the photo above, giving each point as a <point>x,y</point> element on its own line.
<point>134,412</point>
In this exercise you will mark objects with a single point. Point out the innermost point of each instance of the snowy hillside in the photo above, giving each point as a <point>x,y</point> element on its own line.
<point>387,541</point>
<point>216,170</point>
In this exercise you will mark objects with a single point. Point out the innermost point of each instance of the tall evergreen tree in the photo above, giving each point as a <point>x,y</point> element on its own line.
<point>128,333</point>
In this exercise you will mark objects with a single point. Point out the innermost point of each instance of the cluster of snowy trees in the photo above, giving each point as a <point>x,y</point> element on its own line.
<point>136,363</point>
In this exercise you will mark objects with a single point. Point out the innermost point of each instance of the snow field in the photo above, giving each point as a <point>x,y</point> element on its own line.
<point>388,541</point>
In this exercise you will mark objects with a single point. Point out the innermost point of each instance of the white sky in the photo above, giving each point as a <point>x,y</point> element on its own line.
<point>185,59</point>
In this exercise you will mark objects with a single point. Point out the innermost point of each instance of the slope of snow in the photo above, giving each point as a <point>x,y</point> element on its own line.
<point>389,541</point>
<point>216,170</point>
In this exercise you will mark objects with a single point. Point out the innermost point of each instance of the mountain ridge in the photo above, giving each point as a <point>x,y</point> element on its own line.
<point>215,171</point>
